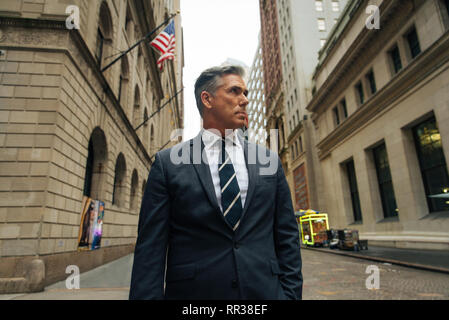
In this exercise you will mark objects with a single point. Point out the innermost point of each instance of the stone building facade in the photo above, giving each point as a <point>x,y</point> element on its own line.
<point>381,115</point>
<point>272,73</point>
<point>67,129</point>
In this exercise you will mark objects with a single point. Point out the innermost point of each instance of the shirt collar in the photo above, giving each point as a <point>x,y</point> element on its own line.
<point>210,138</point>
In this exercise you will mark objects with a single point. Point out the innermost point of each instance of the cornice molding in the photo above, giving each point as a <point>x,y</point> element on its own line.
<point>348,66</point>
<point>405,81</point>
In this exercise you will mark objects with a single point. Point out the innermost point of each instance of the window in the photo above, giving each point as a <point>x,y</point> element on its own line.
<point>322,42</point>
<point>335,6</point>
<point>360,94</point>
<point>128,24</point>
<point>95,173</point>
<point>413,43</point>
<point>371,82</point>
<point>395,59</point>
<point>89,170</point>
<point>136,109</point>
<point>344,108</point>
<point>319,5</point>
<point>104,34</point>
<point>301,149</point>
<point>432,164</point>
<point>321,25</point>
<point>118,190</point>
<point>446,3</point>
<point>145,127</point>
<point>133,202</point>
<point>352,179</point>
<point>296,149</point>
<point>336,116</point>
<point>385,182</point>
<point>99,48</point>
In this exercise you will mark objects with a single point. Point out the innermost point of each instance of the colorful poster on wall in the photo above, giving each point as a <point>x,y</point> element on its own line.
<point>91,225</point>
<point>301,192</point>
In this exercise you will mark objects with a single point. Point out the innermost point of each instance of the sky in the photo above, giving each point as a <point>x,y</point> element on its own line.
<point>214,30</point>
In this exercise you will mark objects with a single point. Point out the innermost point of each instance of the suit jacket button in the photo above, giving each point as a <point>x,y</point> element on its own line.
<point>234,284</point>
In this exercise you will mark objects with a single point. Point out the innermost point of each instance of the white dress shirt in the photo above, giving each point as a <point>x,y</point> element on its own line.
<point>212,147</point>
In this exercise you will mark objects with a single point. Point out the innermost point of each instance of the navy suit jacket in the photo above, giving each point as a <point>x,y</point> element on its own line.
<point>185,249</point>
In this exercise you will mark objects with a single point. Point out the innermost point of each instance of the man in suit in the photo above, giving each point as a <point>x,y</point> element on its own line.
<point>216,220</point>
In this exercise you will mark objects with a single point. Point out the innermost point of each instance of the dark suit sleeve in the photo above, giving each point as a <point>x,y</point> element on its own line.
<point>147,280</point>
<point>286,237</point>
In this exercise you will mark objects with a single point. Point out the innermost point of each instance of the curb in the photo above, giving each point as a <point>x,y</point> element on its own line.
<point>379,259</point>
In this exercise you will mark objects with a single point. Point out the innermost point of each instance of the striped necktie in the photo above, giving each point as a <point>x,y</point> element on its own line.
<point>230,191</point>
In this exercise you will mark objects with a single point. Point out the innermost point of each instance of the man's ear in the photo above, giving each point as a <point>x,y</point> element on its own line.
<point>205,99</point>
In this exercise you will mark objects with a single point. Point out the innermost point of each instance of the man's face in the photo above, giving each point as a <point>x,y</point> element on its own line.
<point>228,106</point>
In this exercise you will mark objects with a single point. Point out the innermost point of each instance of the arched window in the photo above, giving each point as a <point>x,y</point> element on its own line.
<point>144,185</point>
<point>95,165</point>
<point>123,82</point>
<point>151,147</point>
<point>104,34</point>
<point>118,192</point>
<point>145,128</point>
<point>136,108</point>
<point>129,25</point>
<point>140,60</point>
<point>133,202</point>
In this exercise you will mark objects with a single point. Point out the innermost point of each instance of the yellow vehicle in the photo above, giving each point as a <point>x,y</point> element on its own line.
<point>313,226</point>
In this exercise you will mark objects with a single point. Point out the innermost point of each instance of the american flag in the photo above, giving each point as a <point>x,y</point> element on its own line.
<point>165,43</point>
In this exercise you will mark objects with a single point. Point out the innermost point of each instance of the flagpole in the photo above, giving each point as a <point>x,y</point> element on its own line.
<point>158,110</point>
<point>143,39</point>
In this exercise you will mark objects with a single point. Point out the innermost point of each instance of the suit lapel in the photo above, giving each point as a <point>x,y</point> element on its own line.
<point>202,169</point>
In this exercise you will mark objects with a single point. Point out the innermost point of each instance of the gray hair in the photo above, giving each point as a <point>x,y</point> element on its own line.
<point>210,80</point>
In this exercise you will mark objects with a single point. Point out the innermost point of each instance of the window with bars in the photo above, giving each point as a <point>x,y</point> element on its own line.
<point>432,163</point>
<point>385,181</point>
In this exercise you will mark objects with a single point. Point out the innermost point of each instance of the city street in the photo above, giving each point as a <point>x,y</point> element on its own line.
<point>326,277</point>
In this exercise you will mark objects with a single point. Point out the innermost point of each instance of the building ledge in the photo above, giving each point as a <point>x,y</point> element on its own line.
<point>388,220</point>
<point>404,82</point>
<point>436,215</point>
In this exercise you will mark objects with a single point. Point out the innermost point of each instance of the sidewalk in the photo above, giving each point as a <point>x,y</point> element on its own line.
<point>111,281</point>
<point>432,260</point>
<point>107,282</point>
